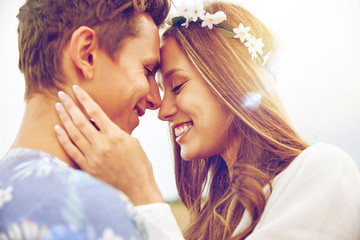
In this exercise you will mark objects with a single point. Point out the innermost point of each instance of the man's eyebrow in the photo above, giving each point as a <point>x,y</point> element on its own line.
<point>154,62</point>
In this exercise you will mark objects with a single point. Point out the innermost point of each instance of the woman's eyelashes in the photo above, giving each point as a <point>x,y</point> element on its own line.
<point>177,89</point>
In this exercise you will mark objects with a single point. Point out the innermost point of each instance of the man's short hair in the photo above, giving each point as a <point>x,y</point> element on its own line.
<point>45,27</point>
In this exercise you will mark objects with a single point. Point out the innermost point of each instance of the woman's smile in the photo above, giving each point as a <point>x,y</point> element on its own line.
<point>198,120</point>
<point>182,130</point>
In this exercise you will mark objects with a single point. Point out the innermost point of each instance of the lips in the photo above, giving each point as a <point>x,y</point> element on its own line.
<point>140,112</point>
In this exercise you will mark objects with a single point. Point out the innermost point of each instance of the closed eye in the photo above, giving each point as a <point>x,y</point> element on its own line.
<point>148,72</point>
<point>177,88</point>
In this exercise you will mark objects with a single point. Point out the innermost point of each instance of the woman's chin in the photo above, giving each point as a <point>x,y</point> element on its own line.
<point>187,156</point>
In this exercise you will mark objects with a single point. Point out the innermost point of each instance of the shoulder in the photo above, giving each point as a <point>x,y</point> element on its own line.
<point>320,170</point>
<point>321,162</point>
<point>40,171</point>
<point>41,189</point>
<point>320,192</point>
<point>323,153</point>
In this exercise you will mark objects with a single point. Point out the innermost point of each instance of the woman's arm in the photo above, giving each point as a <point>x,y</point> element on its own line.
<point>104,150</point>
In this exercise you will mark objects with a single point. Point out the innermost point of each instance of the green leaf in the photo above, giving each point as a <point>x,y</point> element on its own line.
<point>177,21</point>
<point>226,29</point>
<point>226,26</point>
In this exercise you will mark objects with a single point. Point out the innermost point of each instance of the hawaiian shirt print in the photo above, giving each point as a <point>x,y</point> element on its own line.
<point>43,198</point>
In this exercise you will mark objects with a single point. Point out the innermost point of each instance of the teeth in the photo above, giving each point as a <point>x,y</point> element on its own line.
<point>181,130</point>
<point>136,110</point>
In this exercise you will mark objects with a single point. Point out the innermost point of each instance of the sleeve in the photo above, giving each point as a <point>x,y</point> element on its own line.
<point>316,197</point>
<point>159,221</point>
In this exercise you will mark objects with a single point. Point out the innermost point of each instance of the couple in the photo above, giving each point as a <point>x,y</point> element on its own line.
<point>228,129</point>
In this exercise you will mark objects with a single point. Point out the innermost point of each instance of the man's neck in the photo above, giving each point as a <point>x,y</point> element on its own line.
<point>37,128</point>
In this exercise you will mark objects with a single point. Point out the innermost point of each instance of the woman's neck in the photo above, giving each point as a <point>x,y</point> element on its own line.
<point>229,157</point>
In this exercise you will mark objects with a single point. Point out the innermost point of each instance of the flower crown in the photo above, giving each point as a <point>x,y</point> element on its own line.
<point>187,14</point>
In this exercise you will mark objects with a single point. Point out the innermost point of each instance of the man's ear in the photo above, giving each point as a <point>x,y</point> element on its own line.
<point>83,47</point>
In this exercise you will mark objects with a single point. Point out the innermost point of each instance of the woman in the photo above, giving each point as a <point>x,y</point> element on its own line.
<point>231,135</point>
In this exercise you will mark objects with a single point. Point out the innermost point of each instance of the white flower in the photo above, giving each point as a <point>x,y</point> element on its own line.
<point>109,234</point>
<point>242,32</point>
<point>5,195</point>
<point>266,58</point>
<point>28,230</point>
<point>197,11</point>
<point>255,46</point>
<point>185,24</point>
<point>185,11</point>
<point>219,17</point>
<point>259,45</point>
<point>190,13</point>
<point>208,20</point>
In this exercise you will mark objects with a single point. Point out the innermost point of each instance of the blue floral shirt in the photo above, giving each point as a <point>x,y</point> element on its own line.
<point>42,197</point>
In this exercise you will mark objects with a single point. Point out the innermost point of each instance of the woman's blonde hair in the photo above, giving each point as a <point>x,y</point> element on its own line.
<point>264,141</point>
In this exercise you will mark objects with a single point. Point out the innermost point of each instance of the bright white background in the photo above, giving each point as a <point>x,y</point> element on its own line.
<point>318,77</point>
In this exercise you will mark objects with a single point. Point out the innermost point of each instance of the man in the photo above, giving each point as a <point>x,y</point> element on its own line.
<point>109,48</point>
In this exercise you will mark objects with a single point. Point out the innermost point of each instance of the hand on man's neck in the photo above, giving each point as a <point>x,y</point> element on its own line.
<point>37,128</point>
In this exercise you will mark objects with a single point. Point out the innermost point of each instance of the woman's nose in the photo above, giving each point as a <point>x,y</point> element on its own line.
<point>168,108</point>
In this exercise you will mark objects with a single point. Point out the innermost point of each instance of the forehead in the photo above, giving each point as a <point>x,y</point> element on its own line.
<point>145,24</point>
<point>170,52</point>
<point>146,43</point>
<point>173,60</point>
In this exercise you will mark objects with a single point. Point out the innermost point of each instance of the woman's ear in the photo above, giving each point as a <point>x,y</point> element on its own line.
<point>83,47</point>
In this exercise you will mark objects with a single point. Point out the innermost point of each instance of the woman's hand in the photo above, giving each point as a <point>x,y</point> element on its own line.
<point>105,151</point>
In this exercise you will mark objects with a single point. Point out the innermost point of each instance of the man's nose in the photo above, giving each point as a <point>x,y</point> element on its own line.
<point>153,99</point>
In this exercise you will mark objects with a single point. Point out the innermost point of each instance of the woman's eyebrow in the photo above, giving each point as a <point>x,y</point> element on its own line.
<point>169,73</point>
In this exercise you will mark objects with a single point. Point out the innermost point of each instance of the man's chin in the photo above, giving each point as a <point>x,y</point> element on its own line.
<point>128,129</point>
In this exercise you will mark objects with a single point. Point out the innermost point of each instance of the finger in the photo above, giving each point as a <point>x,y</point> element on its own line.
<point>74,153</point>
<point>73,132</point>
<point>78,118</point>
<point>92,109</point>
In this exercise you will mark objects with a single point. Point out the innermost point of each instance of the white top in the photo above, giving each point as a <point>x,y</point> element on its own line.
<point>316,197</point>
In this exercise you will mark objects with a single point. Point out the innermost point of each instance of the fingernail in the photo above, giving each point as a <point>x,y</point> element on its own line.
<point>76,89</point>
<point>62,95</point>
<point>58,130</point>
<point>59,107</point>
